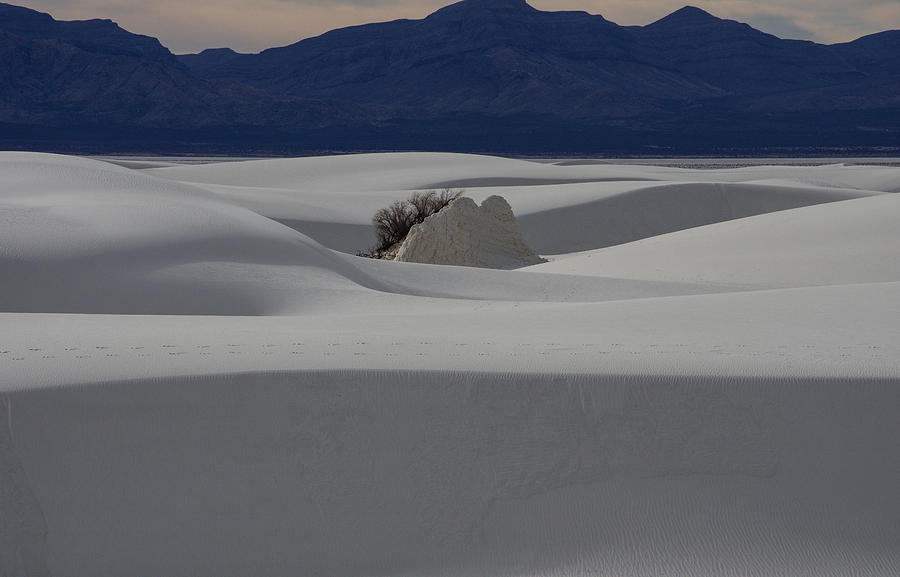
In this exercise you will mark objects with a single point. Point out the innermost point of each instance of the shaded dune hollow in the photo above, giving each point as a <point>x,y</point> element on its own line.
<point>358,473</point>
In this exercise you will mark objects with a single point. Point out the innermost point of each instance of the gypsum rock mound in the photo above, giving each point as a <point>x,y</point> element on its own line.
<point>465,234</point>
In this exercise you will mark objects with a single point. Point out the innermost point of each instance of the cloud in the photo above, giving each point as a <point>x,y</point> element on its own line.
<point>781,26</point>
<point>192,25</point>
<point>827,21</point>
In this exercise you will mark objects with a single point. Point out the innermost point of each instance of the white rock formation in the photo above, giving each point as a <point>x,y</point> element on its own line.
<point>465,234</point>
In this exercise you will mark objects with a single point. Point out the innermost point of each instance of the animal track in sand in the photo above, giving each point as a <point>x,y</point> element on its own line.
<point>454,350</point>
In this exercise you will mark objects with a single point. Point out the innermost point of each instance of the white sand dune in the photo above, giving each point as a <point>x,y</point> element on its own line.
<point>854,241</point>
<point>652,210</point>
<point>388,172</point>
<point>192,388</point>
<point>83,236</point>
<point>418,170</point>
<point>561,209</point>
<point>362,473</point>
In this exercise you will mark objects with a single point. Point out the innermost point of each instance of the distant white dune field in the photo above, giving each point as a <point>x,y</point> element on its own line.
<point>704,381</point>
<point>560,208</point>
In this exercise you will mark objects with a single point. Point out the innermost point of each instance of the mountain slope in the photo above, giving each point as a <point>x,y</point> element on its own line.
<point>93,72</point>
<point>739,59</point>
<point>503,57</point>
<point>494,57</point>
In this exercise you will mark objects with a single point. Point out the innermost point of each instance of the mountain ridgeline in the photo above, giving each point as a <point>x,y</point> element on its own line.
<point>478,75</point>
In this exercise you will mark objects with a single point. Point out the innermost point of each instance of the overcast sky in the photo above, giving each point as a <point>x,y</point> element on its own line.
<point>192,25</point>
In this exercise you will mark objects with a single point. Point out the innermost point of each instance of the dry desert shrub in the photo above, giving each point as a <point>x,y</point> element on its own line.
<point>393,222</point>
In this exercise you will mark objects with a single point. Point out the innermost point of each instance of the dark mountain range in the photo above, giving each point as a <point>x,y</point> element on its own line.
<point>95,78</point>
<point>488,75</point>
<point>489,57</point>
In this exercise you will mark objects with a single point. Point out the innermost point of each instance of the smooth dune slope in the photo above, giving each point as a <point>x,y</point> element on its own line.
<point>418,170</point>
<point>396,171</point>
<point>84,236</point>
<point>854,241</point>
<point>838,332</point>
<point>190,387</point>
<point>650,211</point>
<point>450,474</point>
